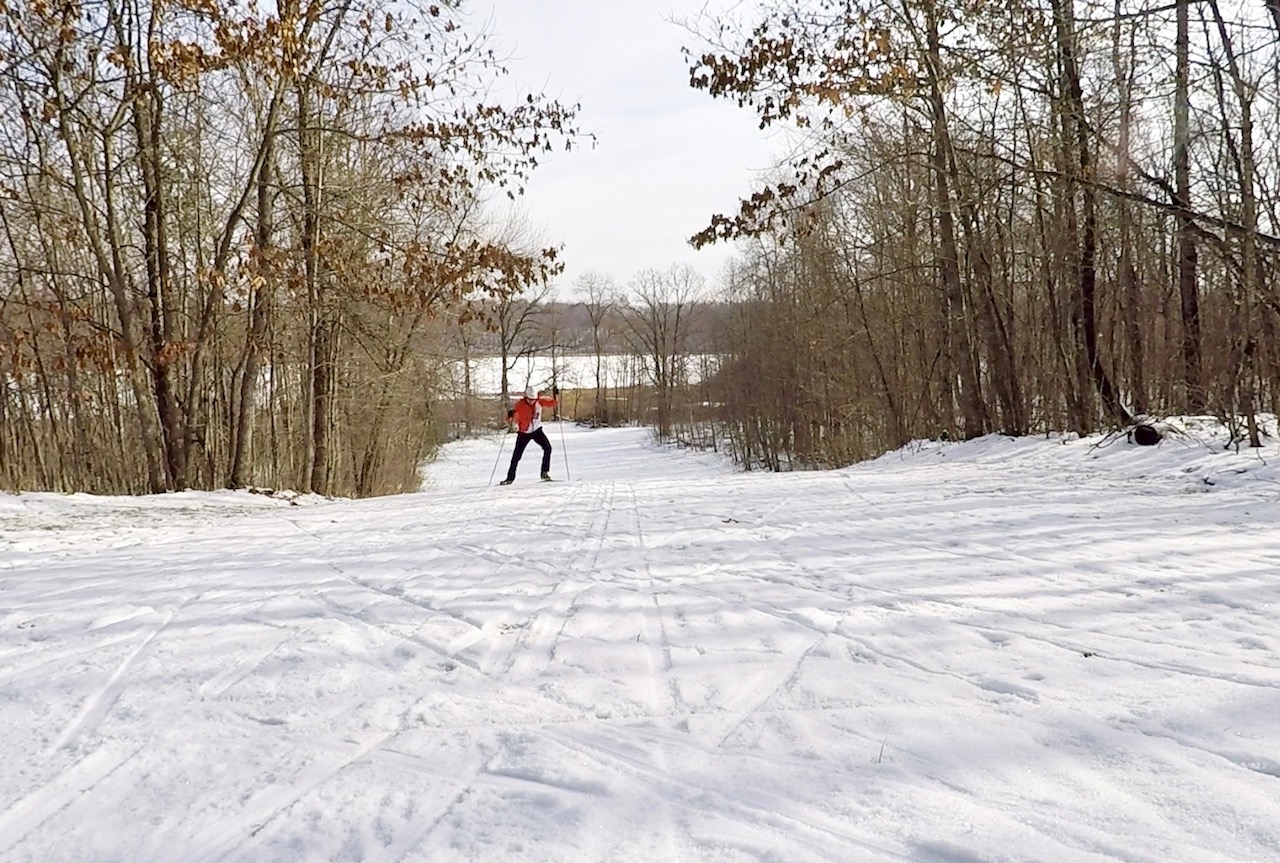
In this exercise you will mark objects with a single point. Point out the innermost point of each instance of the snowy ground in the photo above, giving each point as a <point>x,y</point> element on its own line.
<point>1027,650</point>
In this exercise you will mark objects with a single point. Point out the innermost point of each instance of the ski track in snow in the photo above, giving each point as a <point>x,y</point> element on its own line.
<point>996,651</point>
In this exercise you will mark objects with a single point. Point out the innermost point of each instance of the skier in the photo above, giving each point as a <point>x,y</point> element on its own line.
<point>527,413</point>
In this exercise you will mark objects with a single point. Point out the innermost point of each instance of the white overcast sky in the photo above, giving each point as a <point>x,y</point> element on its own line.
<point>667,157</point>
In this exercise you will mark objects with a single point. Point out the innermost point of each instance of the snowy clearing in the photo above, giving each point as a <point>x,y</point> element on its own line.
<point>1005,650</point>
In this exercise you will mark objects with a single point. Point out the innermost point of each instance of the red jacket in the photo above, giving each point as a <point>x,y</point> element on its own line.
<point>528,414</point>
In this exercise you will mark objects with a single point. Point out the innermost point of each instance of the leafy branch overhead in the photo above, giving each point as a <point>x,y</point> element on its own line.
<point>823,67</point>
<point>812,67</point>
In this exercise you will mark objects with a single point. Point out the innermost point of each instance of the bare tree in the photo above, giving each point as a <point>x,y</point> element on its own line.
<point>660,317</point>
<point>599,296</point>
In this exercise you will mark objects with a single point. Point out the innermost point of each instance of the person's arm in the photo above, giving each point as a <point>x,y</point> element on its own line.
<point>550,401</point>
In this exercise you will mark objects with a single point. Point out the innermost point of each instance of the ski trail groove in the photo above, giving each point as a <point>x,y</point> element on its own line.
<point>554,609</point>
<point>353,618</point>
<point>417,835</point>
<point>99,704</point>
<point>740,708</point>
<point>691,793</point>
<point>26,815</point>
<point>237,670</point>
<point>663,688</point>
<point>665,695</point>
<point>493,655</point>
<point>51,663</point>
<point>1032,623</point>
<point>236,832</point>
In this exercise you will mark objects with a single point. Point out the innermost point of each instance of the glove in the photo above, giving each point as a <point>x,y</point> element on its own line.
<point>511,414</point>
<point>555,391</point>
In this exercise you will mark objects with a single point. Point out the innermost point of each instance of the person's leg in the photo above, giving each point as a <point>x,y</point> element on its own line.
<point>522,441</point>
<point>541,437</point>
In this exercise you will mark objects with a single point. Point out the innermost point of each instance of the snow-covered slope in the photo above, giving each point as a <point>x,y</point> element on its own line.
<point>1005,650</point>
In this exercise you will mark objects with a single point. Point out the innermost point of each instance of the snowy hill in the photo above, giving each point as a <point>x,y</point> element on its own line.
<point>1005,650</point>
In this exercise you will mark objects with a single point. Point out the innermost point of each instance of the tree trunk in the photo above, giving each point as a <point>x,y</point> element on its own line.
<point>260,300</point>
<point>1088,224</point>
<point>148,108</point>
<point>324,387</point>
<point>1130,290</point>
<point>1244,367</point>
<point>1187,264</point>
<point>963,369</point>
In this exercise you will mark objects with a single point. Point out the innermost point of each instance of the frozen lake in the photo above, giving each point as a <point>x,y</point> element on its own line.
<point>570,372</point>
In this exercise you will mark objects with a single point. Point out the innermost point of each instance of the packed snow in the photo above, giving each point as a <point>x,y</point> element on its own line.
<point>1042,649</point>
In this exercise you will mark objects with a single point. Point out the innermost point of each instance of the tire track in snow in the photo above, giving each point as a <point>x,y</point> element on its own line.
<point>446,651</point>
<point>1088,643</point>
<point>1262,765</point>
<point>1016,625</point>
<point>751,695</point>
<point>398,596</point>
<point>1092,649</point>
<point>483,775</point>
<point>746,706</point>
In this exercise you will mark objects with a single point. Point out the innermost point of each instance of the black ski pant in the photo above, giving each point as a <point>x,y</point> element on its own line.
<point>522,440</point>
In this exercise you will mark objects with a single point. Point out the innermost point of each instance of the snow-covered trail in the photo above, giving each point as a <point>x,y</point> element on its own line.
<point>995,651</point>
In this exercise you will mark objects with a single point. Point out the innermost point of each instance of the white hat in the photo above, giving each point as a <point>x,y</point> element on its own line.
<point>530,392</point>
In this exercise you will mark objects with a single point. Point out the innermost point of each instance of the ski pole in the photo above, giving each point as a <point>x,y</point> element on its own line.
<point>501,441</point>
<point>564,452</point>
